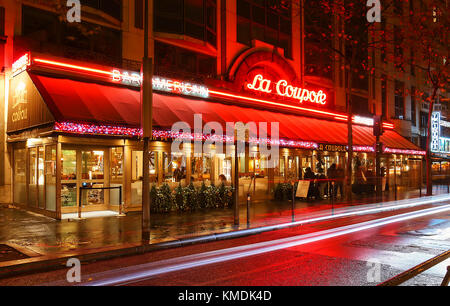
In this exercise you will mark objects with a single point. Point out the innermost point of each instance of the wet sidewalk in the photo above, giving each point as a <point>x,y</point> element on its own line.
<point>44,236</point>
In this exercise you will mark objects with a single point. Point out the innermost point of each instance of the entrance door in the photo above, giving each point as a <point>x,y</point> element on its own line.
<point>83,168</point>
<point>93,176</point>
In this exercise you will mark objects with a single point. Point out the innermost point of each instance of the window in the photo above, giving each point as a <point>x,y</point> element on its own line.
<point>92,165</point>
<point>399,100</point>
<point>398,50</point>
<point>201,167</point>
<point>139,14</point>
<point>116,164</point>
<point>398,7</point>
<point>43,32</point>
<point>413,106</point>
<point>195,18</point>
<point>383,41</point>
<point>111,7</point>
<point>384,96</point>
<point>174,167</point>
<point>412,64</point>
<point>177,62</point>
<point>50,178</point>
<point>20,180</point>
<point>265,20</point>
<point>69,165</point>
<point>360,105</point>
<point>2,21</point>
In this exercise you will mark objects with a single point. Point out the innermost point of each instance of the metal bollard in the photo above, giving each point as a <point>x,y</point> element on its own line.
<point>293,202</point>
<point>249,198</point>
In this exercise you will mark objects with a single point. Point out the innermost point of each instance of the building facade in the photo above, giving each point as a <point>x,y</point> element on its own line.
<point>247,60</point>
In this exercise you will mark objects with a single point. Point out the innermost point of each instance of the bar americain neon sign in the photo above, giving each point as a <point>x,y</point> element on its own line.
<point>161,84</point>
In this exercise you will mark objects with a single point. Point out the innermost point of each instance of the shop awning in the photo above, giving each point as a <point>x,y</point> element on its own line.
<point>92,103</point>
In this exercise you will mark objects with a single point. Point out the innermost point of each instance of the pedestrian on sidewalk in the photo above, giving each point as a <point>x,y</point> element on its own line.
<point>332,175</point>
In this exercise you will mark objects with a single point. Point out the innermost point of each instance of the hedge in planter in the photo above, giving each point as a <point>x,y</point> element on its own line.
<point>283,192</point>
<point>184,199</point>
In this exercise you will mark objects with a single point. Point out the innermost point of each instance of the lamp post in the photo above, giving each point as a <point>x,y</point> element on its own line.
<point>146,119</point>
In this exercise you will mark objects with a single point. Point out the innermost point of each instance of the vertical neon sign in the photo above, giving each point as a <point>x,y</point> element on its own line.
<point>435,132</point>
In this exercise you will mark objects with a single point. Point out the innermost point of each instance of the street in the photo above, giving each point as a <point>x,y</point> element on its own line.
<point>359,250</point>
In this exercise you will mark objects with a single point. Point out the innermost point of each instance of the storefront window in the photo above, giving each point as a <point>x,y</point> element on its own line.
<point>224,168</point>
<point>291,168</point>
<point>259,172</point>
<point>69,195</point>
<point>40,178</point>
<point>174,168</point>
<point>201,168</point>
<point>136,174</point>
<point>20,194</point>
<point>32,187</point>
<point>92,165</point>
<point>116,174</point>
<point>50,178</point>
<point>94,196</point>
<point>69,165</point>
<point>279,171</point>
<point>116,164</point>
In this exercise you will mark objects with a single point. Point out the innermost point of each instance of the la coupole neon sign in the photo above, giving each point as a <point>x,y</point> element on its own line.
<point>284,89</point>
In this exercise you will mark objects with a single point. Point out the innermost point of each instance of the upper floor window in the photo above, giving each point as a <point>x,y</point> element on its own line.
<point>43,32</point>
<point>318,50</point>
<point>399,100</point>
<point>413,106</point>
<point>265,20</point>
<point>398,7</point>
<point>111,7</point>
<point>139,14</point>
<point>2,21</point>
<point>171,61</point>
<point>194,18</point>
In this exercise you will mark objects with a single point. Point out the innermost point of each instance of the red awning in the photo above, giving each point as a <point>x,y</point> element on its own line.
<point>82,102</point>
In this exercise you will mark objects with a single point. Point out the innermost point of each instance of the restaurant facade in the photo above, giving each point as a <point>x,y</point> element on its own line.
<point>73,125</point>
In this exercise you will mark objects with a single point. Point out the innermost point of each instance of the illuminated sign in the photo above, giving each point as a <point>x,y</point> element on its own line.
<point>332,148</point>
<point>363,120</point>
<point>161,84</point>
<point>19,103</point>
<point>435,132</point>
<point>21,64</point>
<point>283,89</point>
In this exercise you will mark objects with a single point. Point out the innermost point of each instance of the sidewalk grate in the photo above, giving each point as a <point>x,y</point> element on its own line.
<point>8,253</point>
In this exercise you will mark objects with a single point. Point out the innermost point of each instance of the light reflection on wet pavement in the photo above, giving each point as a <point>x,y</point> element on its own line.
<point>44,235</point>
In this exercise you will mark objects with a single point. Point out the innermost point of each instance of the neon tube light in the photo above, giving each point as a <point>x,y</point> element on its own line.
<point>75,67</point>
<point>223,94</point>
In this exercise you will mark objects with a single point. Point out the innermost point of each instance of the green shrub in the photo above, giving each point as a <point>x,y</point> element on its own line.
<point>283,192</point>
<point>184,199</point>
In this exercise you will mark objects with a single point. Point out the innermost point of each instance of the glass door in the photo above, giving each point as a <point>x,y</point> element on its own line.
<point>32,185</point>
<point>40,178</point>
<point>93,176</point>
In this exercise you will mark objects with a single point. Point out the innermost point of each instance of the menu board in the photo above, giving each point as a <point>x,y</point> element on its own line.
<point>302,189</point>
